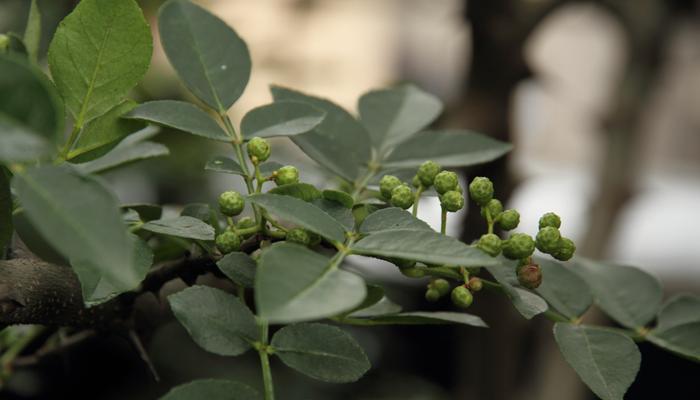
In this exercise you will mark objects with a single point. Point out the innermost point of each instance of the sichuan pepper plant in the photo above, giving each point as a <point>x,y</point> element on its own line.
<point>282,243</point>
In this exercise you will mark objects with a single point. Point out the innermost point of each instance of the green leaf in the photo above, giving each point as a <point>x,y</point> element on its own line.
<point>682,339</point>
<point>103,133</point>
<point>126,152</point>
<point>99,52</point>
<point>142,262</point>
<point>182,116</point>
<point>183,226</point>
<point>30,99</point>
<point>216,71</point>
<point>340,143</point>
<point>35,242</point>
<point>301,190</point>
<point>267,168</point>
<point>392,218</point>
<point>337,212</point>
<point>294,283</point>
<point>212,389</point>
<point>282,118</point>
<point>375,294</point>
<point>629,295</point>
<point>147,212</point>
<point>678,327</point>
<point>563,289</point>
<point>225,165</point>
<point>6,227</point>
<point>32,32</point>
<point>81,219</point>
<point>217,321</point>
<point>393,115</point>
<point>238,267</point>
<point>339,197</point>
<point>301,213</point>
<point>418,318</point>
<point>321,351</point>
<point>527,303</point>
<point>606,361</point>
<point>679,310</point>
<point>425,246</point>
<point>449,148</point>
<point>19,144</point>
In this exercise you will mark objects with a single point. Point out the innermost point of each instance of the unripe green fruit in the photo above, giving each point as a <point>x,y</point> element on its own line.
<point>231,203</point>
<point>452,201</point>
<point>402,196</point>
<point>565,250</point>
<point>287,175</point>
<point>550,219</point>
<point>490,244</point>
<point>481,190</point>
<point>547,239</point>
<point>446,181</point>
<point>518,245</point>
<point>427,172</point>
<point>228,242</point>
<point>509,220</point>
<point>259,148</point>
<point>432,295</point>
<point>529,275</point>
<point>413,272</point>
<point>298,235</point>
<point>475,284</point>
<point>462,297</point>
<point>441,285</point>
<point>494,207</point>
<point>387,185</point>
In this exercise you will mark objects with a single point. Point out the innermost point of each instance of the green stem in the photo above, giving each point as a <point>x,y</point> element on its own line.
<point>361,184</point>
<point>237,146</point>
<point>269,388</point>
<point>71,141</point>
<point>443,221</point>
<point>416,200</point>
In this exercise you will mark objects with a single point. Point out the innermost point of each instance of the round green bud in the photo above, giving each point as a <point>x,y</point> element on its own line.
<point>231,203</point>
<point>416,181</point>
<point>432,295</point>
<point>529,275</point>
<point>413,272</point>
<point>509,220</point>
<point>462,297</point>
<point>259,148</point>
<point>228,242</point>
<point>387,184</point>
<point>550,219</point>
<point>446,181</point>
<point>490,244</point>
<point>287,175</point>
<point>427,172</point>
<point>452,201</point>
<point>494,207</point>
<point>547,239</point>
<point>475,284</point>
<point>299,236</point>
<point>402,196</point>
<point>518,245</point>
<point>481,190</point>
<point>441,285</point>
<point>565,250</point>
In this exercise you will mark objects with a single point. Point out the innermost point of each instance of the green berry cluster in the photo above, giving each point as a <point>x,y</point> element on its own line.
<point>258,150</point>
<point>549,240</point>
<point>481,191</point>
<point>228,241</point>
<point>437,288</point>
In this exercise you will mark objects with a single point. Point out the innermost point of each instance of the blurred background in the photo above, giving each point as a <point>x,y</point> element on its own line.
<point>600,98</point>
